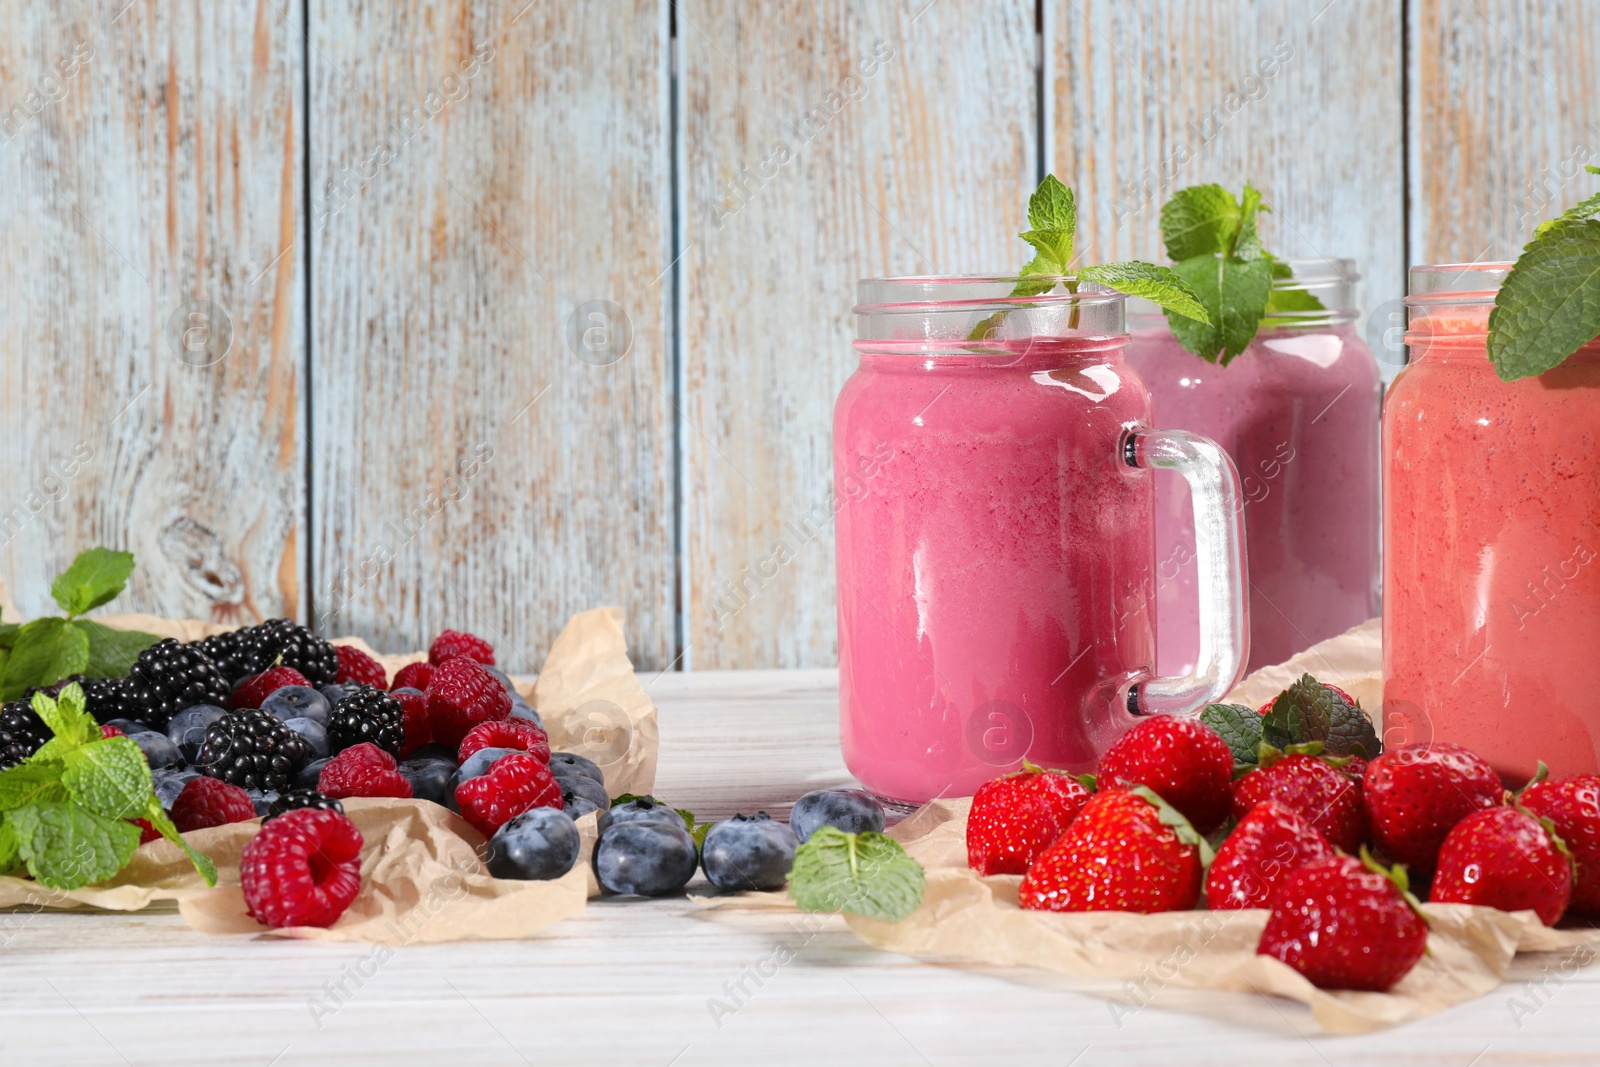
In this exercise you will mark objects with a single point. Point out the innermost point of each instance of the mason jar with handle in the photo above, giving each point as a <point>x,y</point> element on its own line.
<point>995,537</point>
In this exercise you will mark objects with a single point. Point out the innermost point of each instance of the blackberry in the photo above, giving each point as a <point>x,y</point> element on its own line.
<point>252,749</point>
<point>367,714</point>
<point>112,698</point>
<point>296,799</point>
<point>21,733</point>
<point>168,677</point>
<point>255,648</point>
<point>54,689</point>
<point>222,649</point>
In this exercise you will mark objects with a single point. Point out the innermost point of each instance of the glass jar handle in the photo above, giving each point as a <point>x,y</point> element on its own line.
<point>1220,565</point>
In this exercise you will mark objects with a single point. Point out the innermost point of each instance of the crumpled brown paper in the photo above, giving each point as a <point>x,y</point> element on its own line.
<point>1141,959</point>
<point>421,876</point>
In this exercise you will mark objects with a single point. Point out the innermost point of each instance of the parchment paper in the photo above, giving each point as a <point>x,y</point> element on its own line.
<point>421,876</point>
<point>1148,959</point>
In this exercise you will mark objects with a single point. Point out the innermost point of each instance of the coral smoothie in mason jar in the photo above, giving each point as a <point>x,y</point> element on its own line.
<point>1298,412</point>
<point>995,559</point>
<point>1491,526</point>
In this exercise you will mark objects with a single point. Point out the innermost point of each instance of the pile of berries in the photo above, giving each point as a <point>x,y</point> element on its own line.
<point>1331,836</point>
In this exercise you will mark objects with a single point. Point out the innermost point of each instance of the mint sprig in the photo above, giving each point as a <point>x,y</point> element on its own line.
<point>1052,232</point>
<point>65,810</point>
<point>866,874</point>
<point>1237,725</point>
<point>1213,239</point>
<point>1549,305</point>
<point>46,650</point>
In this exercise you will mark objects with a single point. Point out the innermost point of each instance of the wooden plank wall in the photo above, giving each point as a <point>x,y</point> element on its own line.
<point>407,429</point>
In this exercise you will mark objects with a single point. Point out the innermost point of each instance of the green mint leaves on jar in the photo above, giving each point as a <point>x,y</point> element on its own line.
<point>1052,231</point>
<point>1211,236</point>
<point>1549,305</point>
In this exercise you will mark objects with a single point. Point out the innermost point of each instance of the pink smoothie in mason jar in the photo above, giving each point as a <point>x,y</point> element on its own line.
<point>995,546</point>
<point>1491,615</point>
<point>1298,412</point>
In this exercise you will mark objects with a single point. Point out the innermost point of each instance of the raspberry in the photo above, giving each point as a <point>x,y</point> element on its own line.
<point>367,714</point>
<point>209,802</point>
<point>147,833</point>
<point>302,869</point>
<point>253,689</point>
<point>416,731</point>
<point>506,733</point>
<point>513,785</point>
<point>356,666</point>
<point>461,694</point>
<point>110,731</point>
<point>363,770</point>
<point>453,644</point>
<point>413,676</point>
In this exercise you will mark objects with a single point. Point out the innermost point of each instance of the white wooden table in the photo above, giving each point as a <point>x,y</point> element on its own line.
<point>630,983</point>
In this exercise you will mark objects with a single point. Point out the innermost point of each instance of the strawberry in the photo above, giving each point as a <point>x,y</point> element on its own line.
<point>252,689</point>
<point>1322,794</point>
<point>1346,923</point>
<point>1271,842</point>
<point>1505,858</point>
<point>1018,816</point>
<point>1572,804</point>
<point>1415,794</point>
<point>1182,759</point>
<point>1128,850</point>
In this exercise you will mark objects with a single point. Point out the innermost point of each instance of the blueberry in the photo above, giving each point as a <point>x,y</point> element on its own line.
<point>315,733</point>
<point>567,764</point>
<point>505,679</point>
<point>159,751</point>
<point>749,852</point>
<point>539,844</point>
<point>577,805</point>
<point>307,778</point>
<point>263,800</point>
<point>187,729</point>
<point>587,788</point>
<point>430,779</point>
<point>645,858</point>
<point>402,689</point>
<point>521,709</point>
<point>336,692</point>
<point>479,762</point>
<point>644,809</point>
<point>128,726</point>
<point>297,702</point>
<point>434,751</point>
<point>851,810</point>
<point>170,782</point>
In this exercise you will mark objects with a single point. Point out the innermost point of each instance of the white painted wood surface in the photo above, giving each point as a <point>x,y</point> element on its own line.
<point>150,156</point>
<point>632,982</point>
<point>479,173</point>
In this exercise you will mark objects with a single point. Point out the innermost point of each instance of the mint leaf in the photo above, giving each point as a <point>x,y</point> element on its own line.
<point>1301,713</point>
<point>8,634</point>
<point>43,653</point>
<point>1052,207</point>
<point>68,718</point>
<point>95,577</point>
<point>8,847</point>
<point>1584,210</point>
<point>109,777</point>
<point>1158,284</point>
<point>1235,292</point>
<point>865,874</point>
<point>1289,301</point>
<point>1238,725</point>
<point>157,817</point>
<point>27,782</point>
<point>1549,305</point>
<point>1247,244</point>
<point>111,652</point>
<point>1199,221</point>
<point>66,846</point>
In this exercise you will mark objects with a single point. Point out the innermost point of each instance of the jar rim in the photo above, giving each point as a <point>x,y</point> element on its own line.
<point>1454,284</point>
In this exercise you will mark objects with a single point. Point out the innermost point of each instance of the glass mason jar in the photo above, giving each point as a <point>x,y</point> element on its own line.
<point>1491,615</point>
<point>1298,412</point>
<point>995,538</point>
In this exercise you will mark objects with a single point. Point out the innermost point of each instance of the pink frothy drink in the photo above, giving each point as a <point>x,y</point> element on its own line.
<point>995,564</point>
<point>1297,411</point>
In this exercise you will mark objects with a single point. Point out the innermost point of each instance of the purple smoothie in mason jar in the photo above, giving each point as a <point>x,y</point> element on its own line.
<point>1298,412</point>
